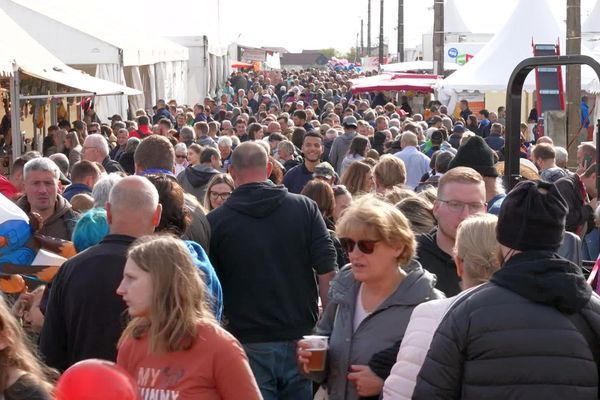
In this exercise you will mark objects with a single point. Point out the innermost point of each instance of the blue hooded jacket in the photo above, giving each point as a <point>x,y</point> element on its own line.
<point>210,277</point>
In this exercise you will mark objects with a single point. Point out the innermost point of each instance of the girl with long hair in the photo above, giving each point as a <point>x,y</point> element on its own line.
<point>22,375</point>
<point>356,152</point>
<point>173,345</point>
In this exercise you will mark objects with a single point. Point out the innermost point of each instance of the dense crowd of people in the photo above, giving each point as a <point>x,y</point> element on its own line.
<point>213,240</point>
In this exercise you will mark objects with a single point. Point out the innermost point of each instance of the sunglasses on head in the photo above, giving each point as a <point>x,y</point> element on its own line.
<point>365,246</point>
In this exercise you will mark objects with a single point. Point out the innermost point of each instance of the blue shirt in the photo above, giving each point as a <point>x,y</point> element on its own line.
<point>296,178</point>
<point>416,163</point>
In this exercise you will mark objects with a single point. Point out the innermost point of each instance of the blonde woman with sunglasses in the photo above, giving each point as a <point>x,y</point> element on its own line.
<point>371,300</point>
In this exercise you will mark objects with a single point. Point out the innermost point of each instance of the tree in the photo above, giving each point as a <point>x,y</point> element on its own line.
<point>330,52</point>
<point>350,55</point>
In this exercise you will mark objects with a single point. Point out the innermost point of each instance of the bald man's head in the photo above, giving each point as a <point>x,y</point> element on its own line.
<point>273,127</point>
<point>250,163</point>
<point>133,207</point>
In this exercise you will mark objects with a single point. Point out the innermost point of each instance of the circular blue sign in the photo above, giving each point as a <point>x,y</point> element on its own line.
<point>453,52</point>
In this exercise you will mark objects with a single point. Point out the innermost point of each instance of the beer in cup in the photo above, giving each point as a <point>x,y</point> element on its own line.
<point>318,350</point>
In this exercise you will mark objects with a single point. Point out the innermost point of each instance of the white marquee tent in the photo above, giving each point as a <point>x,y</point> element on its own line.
<point>491,68</point>
<point>115,49</point>
<point>592,22</point>
<point>20,53</point>
<point>453,21</point>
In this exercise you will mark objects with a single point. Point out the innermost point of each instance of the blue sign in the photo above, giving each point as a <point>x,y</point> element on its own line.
<point>453,52</point>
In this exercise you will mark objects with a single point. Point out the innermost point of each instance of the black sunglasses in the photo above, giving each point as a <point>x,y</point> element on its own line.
<point>365,246</point>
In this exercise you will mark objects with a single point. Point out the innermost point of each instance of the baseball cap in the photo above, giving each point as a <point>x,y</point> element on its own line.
<point>350,121</point>
<point>324,170</point>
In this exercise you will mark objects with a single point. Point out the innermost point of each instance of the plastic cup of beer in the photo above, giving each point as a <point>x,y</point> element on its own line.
<point>318,349</point>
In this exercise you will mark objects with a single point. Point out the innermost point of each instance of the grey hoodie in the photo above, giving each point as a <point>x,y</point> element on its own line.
<point>339,148</point>
<point>379,331</point>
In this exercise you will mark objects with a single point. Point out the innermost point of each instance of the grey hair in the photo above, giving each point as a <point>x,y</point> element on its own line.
<point>103,186</point>
<point>61,161</point>
<point>186,134</point>
<point>41,164</point>
<point>180,147</point>
<point>100,142</point>
<point>225,141</point>
<point>561,156</point>
<point>287,146</point>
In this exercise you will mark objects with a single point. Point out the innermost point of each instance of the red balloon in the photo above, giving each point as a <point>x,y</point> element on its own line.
<point>96,380</point>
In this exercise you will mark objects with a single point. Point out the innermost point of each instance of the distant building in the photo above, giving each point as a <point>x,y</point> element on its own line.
<point>306,59</point>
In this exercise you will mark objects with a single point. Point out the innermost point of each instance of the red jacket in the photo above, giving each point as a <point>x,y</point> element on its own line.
<point>145,129</point>
<point>7,188</point>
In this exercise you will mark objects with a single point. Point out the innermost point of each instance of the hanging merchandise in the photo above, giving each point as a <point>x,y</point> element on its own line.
<point>61,111</point>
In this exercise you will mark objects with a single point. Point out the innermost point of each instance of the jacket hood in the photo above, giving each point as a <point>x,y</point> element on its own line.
<point>199,175</point>
<point>417,287</point>
<point>545,277</point>
<point>348,136</point>
<point>257,200</point>
<point>198,254</point>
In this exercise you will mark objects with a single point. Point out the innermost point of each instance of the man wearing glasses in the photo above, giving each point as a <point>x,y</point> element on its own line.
<point>95,149</point>
<point>461,193</point>
<point>194,179</point>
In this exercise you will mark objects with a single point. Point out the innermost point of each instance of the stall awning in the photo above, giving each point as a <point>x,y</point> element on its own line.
<point>76,79</point>
<point>395,82</point>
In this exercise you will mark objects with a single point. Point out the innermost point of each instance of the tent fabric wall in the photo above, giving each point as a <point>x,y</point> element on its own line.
<point>134,80</point>
<point>148,75</point>
<point>109,105</point>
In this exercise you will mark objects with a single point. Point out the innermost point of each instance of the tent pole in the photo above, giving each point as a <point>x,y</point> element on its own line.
<point>15,114</point>
<point>53,118</point>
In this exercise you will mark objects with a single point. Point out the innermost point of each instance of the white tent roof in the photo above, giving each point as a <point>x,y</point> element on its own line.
<point>84,38</point>
<point>592,23</point>
<point>453,21</point>
<point>19,49</point>
<point>492,66</point>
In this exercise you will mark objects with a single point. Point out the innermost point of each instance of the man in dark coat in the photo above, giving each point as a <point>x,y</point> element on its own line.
<point>533,331</point>
<point>84,315</point>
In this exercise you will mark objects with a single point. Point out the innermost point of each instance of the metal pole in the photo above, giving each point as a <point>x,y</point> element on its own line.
<point>15,114</point>
<point>573,80</point>
<point>400,30</point>
<point>438,36</point>
<point>362,42</point>
<point>369,29</point>
<point>514,92</point>
<point>381,33</point>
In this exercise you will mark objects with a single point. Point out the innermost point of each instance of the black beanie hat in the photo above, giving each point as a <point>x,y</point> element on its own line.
<point>476,154</point>
<point>532,217</point>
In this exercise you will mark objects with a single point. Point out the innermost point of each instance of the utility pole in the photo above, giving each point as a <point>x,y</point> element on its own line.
<point>381,33</point>
<point>356,50</point>
<point>369,29</point>
<point>574,79</point>
<point>400,30</point>
<point>362,42</point>
<point>438,36</point>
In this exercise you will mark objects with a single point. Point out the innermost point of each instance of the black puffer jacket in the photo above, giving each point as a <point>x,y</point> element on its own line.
<point>524,335</point>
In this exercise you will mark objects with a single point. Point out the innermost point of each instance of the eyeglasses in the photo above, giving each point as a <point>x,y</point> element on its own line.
<point>224,196</point>
<point>365,246</point>
<point>180,156</point>
<point>88,147</point>
<point>456,206</point>
<point>91,132</point>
